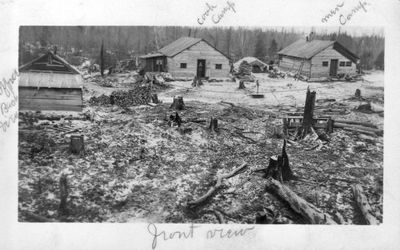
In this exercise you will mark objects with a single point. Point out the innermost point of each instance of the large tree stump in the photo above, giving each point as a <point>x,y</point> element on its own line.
<point>241,84</point>
<point>279,167</point>
<point>63,210</point>
<point>213,124</point>
<point>76,145</point>
<point>178,103</point>
<point>308,120</point>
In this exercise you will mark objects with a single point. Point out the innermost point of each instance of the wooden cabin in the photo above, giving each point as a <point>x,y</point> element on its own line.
<point>318,59</point>
<point>188,57</point>
<point>50,83</point>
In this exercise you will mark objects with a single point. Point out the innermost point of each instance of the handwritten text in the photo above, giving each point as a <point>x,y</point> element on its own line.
<point>216,17</point>
<point>8,102</point>
<point>220,233</point>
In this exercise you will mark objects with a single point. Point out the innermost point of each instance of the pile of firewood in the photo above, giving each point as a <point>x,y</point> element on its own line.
<point>100,100</point>
<point>137,96</point>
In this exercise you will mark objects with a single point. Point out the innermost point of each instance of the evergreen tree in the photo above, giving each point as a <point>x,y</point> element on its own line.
<point>260,50</point>
<point>102,59</point>
<point>380,61</point>
<point>273,49</point>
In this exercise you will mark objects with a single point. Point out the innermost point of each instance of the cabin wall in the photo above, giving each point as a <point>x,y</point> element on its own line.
<point>155,64</point>
<point>33,98</point>
<point>292,65</point>
<point>190,56</point>
<point>319,71</point>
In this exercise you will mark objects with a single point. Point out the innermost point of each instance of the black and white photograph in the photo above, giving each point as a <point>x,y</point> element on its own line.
<point>199,124</point>
<point>245,125</point>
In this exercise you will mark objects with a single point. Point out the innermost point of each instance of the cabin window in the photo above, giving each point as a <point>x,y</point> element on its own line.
<point>341,64</point>
<point>218,66</point>
<point>183,65</point>
<point>325,64</point>
<point>348,64</point>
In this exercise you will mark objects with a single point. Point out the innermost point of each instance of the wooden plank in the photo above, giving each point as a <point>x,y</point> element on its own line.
<point>49,102</point>
<point>51,107</point>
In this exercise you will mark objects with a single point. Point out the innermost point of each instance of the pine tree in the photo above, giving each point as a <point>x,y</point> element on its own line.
<point>273,49</point>
<point>102,59</point>
<point>380,61</point>
<point>260,50</point>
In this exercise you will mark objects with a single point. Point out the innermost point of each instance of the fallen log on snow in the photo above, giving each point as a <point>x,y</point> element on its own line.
<point>36,218</point>
<point>363,205</point>
<point>365,124</point>
<point>360,129</point>
<point>213,189</point>
<point>311,213</point>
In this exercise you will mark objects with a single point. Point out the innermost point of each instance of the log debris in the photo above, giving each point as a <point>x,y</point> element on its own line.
<point>213,189</point>
<point>311,213</point>
<point>363,205</point>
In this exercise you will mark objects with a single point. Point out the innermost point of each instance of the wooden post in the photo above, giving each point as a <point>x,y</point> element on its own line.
<point>213,124</point>
<point>329,126</point>
<point>241,84</point>
<point>76,145</point>
<point>63,210</point>
<point>154,98</point>
<point>178,103</point>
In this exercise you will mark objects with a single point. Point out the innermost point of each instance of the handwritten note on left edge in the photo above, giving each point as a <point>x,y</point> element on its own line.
<point>8,102</point>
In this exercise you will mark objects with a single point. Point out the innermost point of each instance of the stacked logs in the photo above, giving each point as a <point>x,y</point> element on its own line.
<point>100,100</point>
<point>137,96</point>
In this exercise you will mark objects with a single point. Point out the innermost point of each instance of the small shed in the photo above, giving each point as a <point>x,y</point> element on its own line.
<point>50,83</point>
<point>188,57</point>
<point>257,65</point>
<point>318,59</point>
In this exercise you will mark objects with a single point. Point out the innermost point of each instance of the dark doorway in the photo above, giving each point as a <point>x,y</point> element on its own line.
<point>334,66</point>
<point>201,68</point>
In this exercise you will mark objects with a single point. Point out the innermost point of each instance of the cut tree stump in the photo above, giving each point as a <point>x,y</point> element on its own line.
<point>241,84</point>
<point>177,103</point>
<point>63,209</point>
<point>311,213</point>
<point>308,120</point>
<point>213,124</point>
<point>154,98</point>
<point>77,145</point>
<point>357,93</point>
<point>363,205</point>
<point>279,168</point>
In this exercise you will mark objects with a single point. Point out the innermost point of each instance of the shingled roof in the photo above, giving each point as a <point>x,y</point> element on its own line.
<point>308,49</point>
<point>179,45</point>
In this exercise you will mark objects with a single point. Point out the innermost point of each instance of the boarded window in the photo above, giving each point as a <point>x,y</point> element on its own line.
<point>218,66</point>
<point>325,64</point>
<point>183,65</point>
<point>348,64</point>
<point>341,64</point>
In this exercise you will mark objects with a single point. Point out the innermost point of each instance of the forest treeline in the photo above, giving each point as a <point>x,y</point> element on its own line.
<point>120,42</point>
